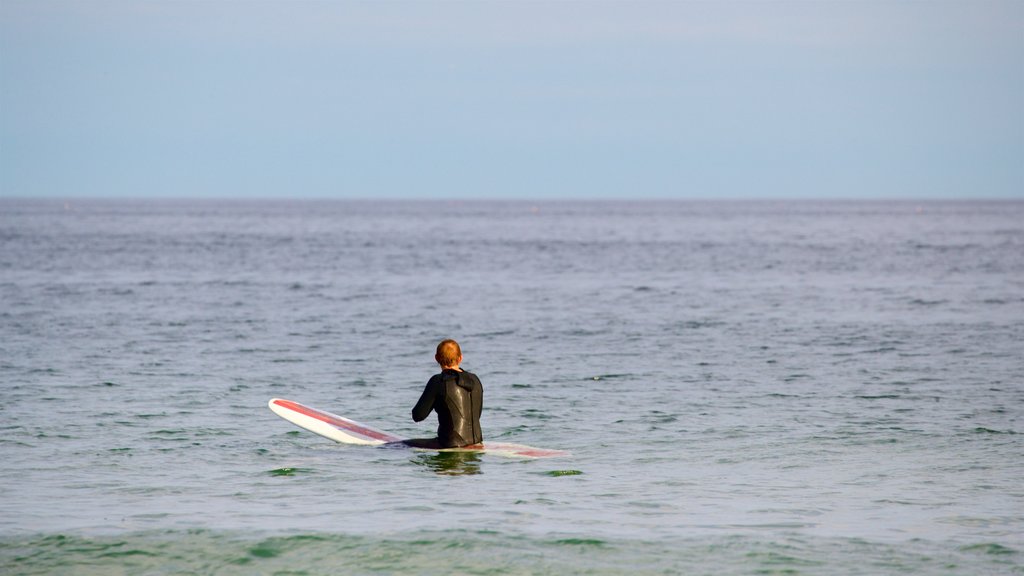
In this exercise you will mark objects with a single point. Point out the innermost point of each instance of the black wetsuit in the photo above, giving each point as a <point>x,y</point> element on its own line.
<point>458,398</point>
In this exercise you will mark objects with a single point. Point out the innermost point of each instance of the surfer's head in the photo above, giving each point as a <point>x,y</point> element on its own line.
<point>449,355</point>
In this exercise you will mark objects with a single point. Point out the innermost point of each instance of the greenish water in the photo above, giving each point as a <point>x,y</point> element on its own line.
<point>467,552</point>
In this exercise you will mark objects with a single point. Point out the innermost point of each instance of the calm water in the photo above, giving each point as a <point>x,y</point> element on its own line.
<point>796,387</point>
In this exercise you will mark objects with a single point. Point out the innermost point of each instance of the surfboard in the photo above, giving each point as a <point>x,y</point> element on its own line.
<point>348,431</point>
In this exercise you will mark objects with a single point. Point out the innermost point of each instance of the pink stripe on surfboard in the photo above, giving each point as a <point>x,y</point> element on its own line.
<point>337,421</point>
<point>541,453</point>
<point>521,450</point>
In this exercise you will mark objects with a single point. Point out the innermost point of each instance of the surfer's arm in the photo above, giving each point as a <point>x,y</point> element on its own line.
<point>426,402</point>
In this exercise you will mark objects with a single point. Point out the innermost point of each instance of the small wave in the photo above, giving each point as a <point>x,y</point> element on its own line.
<point>982,430</point>
<point>699,324</point>
<point>994,301</point>
<point>581,542</point>
<point>923,302</point>
<point>609,376</point>
<point>881,350</point>
<point>878,396</point>
<point>534,413</point>
<point>289,471</point>
<point>989,548</point>
<point>495,334</point>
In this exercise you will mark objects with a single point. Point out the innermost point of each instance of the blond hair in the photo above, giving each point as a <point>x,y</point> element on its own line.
<point>448,353</point>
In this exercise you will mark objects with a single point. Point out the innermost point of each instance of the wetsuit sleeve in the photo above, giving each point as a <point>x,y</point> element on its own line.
<point>426,402</point>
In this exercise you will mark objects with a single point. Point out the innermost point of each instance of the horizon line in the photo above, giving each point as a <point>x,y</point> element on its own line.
<point>455,199</point>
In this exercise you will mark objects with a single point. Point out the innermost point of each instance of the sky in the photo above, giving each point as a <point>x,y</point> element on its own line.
<point>512,100</point>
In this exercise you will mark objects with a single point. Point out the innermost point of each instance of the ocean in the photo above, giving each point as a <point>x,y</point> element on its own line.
<point>745,387</point>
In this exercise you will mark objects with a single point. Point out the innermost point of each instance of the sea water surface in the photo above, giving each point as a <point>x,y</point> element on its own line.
<point>744,387</point>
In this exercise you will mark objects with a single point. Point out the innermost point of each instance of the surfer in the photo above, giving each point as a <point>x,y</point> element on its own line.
<point>456,396</point>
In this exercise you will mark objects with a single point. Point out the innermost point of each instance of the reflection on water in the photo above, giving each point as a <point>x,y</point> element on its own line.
<point>450,463</point>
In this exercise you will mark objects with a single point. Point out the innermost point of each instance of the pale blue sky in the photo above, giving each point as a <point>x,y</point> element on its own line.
<point>533,100</point>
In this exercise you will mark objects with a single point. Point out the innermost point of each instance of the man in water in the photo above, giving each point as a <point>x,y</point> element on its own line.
<point>456,396</point>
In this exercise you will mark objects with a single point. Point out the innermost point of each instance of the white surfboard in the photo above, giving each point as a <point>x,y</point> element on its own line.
<point>347,431</point>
